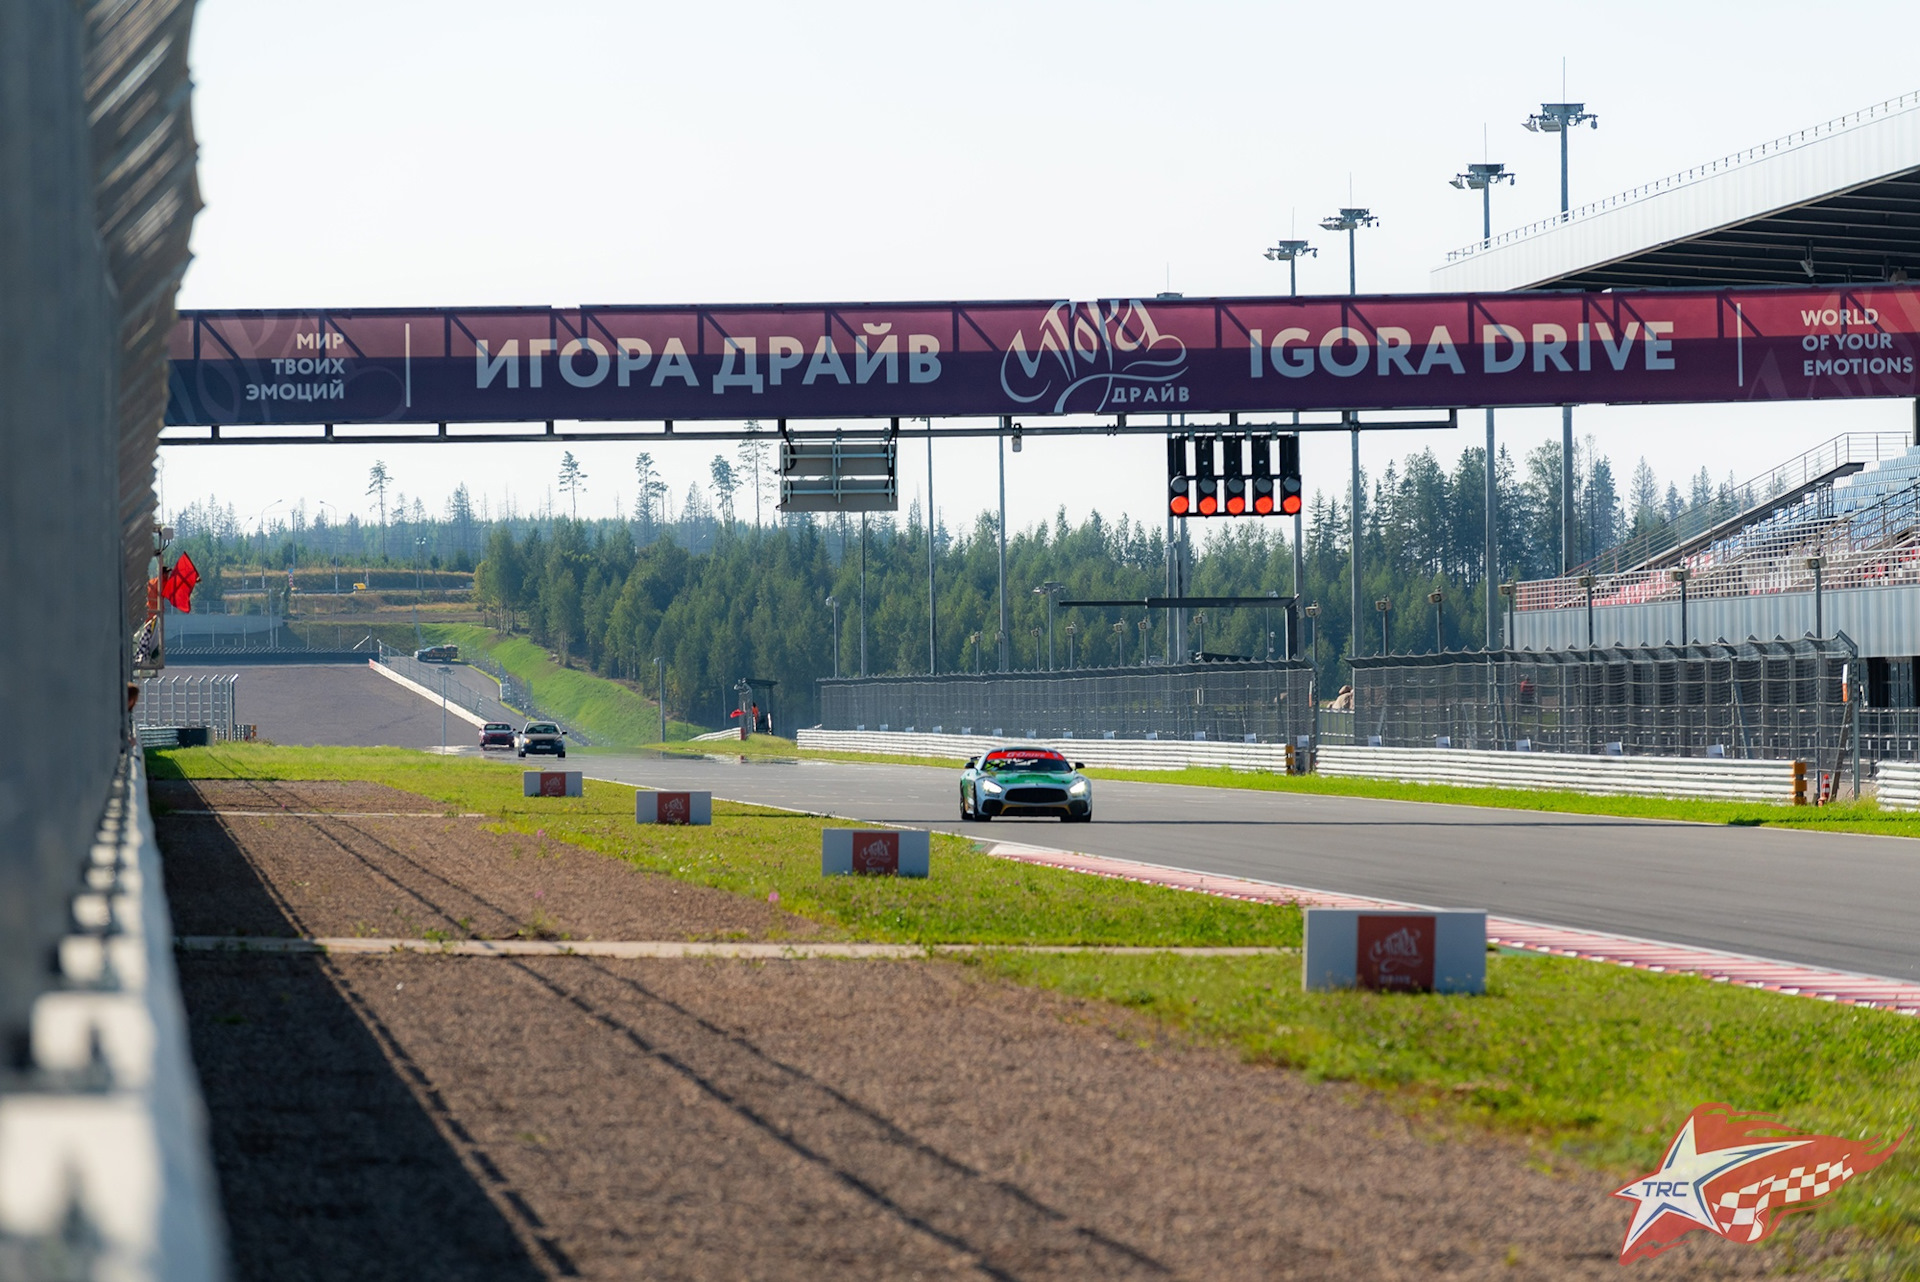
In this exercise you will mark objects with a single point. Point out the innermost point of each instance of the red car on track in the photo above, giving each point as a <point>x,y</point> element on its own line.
<point>496,734</point>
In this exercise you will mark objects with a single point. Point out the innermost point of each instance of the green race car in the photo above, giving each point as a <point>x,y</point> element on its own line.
<point>1025,781</point>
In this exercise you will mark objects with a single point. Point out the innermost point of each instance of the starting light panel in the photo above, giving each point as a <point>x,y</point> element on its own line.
<point>1288,475</point>
<point>1233,475</point>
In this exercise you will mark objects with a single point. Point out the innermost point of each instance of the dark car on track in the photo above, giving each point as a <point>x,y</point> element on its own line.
<point>496,734</point>
<point>541,736</point>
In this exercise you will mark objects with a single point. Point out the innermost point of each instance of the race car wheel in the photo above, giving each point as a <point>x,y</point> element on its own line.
<point>523,752</point>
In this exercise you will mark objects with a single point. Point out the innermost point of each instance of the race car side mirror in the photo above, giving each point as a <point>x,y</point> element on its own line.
<point>1079,765</point>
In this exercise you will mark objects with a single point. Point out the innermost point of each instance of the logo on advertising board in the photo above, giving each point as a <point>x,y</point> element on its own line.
<point>673,807</point>
<point>553,784</point>
<point>876,852</point>
<point>1394,953</point>
<point>1737,1175</point>
<point>1101,356</point>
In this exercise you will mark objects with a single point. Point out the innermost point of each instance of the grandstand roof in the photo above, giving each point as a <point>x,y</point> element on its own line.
<point>1836,203</point>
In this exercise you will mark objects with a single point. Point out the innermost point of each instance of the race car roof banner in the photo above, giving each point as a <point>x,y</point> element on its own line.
<point>877,360</point>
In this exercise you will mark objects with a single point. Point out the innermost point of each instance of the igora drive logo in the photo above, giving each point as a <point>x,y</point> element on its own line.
<point>1738,1175</point>
<point>1395,953</point>
<point>876,852</point>
<point>673,807</point>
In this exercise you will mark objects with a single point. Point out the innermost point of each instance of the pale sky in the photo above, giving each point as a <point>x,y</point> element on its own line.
<point>405,153</point>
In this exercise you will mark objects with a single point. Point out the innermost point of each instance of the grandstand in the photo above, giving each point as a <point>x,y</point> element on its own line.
<point>1826,543</point>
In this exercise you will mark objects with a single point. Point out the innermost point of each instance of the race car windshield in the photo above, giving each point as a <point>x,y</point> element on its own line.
<point>1029,765</point>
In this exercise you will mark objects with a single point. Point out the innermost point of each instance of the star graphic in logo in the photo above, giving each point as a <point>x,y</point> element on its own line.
<point>1679,1187</point>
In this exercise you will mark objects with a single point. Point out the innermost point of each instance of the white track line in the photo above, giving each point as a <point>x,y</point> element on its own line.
<point>347,946</point>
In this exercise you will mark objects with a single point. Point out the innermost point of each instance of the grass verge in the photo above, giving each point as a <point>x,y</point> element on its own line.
<point>1863,816</point>
<point>1592,1061</point>
<point>612,714</point>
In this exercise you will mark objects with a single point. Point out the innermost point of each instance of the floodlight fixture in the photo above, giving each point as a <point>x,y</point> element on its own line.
<point>1290,252</point>
<point>1561,118</point>
<point>1350,220</point>
<point>1483,177</point>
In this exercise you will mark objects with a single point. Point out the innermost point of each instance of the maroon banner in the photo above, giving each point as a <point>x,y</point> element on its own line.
<point>878,360</point>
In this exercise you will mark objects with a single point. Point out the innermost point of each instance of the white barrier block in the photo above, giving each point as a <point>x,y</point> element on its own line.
<point>1414,950</point>
<point>885,852</point>
<point>551,783</point>
<point>672,807</point>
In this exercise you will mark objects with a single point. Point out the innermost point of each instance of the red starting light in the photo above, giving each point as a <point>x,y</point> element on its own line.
<point>1208,505</point>
<point>1179,505</point>
<point>1290,505</point>
<point>1263,504</point>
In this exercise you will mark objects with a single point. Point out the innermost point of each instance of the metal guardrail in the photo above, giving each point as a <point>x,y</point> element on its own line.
<point>1776,781</point>
<point>1686,177</point>
<point>1136,754</point>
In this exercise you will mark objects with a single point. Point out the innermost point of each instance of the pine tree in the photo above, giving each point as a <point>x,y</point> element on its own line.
<point>572,481</point>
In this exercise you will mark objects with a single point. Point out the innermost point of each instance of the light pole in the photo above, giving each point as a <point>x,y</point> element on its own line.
<point>1000,450</point>
<point>1681,576</point>
<point>1507,591</point>
<point>933,630</point>
<point>833,604</point>
<point>1200,632</point>
<point>1815,563</point>
<point>1586,582</point>
<point>863,594</point>
<point>973,639</point>
<point>1120,643</point>
<point>1050,590</point>
<point>1146,627</point>
<point>1036,650</point>
<point>419,586</point>
<point>1483,178</point>
<point>1439,637</point>
<point>1290,252</point>
<point>1383,605</point>
<point>660,670</point>
<point>1071,629</point>
<point>1350,220</point>
<point>1312,614</point>
<point>1562,118</point>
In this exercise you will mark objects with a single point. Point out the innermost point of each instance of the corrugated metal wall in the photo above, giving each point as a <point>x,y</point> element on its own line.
<point>1882,622</point>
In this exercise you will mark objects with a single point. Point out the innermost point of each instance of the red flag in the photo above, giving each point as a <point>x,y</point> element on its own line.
<point>733,714</point>
<point>178,584</point>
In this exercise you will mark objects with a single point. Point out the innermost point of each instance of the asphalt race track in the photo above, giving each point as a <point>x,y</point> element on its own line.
<point>338,705</point>
<point>1821,899</point>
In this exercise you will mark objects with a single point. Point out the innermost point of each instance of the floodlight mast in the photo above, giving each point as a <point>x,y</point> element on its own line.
<point>1562,118</point>
<point>1350,220</point>
<point>1483,177</point>
<point>1290,252</point>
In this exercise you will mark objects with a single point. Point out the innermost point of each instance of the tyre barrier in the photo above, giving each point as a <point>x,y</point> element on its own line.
<point>551,783</point>
<point>1413,950</point>
<point>1899,785</point>
<point>886,852</point>
<point>672,807</point>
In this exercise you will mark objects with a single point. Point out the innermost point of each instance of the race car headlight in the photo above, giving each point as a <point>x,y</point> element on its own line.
<point>1079,788</point>
<point>988,785</point>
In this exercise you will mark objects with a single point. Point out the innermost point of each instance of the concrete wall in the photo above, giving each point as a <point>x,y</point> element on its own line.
<point>1882,622</point>
<point>59,483</point>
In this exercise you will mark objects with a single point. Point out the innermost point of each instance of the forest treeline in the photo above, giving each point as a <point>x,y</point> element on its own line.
<point>718,595</point>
